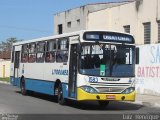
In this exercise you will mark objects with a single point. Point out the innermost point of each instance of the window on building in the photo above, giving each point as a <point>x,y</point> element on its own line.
<point>158,31</point>
<point>69,24</point>
<point>78,22</point>
<point>24,55</point>
<point>60,29</point>
<point>40,52</point>
<point>32,53</point>
<point>51,51</point>
<point>126,28</point>
<point>62,52</point>
<point>147,33</point>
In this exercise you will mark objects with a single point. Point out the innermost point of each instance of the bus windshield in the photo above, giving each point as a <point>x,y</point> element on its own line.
<point>107,60</point>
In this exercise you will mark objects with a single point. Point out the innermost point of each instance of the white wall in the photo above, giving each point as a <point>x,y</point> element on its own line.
<point>5,68</point>
<point>148,70</point>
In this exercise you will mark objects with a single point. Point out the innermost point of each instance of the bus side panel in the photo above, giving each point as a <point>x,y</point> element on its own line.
<point>39,86</point>
<point>46,87</point>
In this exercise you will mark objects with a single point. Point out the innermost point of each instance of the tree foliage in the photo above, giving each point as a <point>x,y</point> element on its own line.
<point>7,44</point>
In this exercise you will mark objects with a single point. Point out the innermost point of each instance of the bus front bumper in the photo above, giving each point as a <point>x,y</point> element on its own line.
<point>82,95</point>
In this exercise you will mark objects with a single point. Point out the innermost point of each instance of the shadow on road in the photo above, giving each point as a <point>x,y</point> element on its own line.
<point>113,105</point>
<point>88,105</point>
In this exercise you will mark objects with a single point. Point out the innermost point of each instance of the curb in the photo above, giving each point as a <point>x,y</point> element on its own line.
<point>148,104</point>
<point>3,82</point>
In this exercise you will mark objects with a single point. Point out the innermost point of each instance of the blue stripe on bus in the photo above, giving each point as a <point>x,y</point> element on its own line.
<point>40,86</point>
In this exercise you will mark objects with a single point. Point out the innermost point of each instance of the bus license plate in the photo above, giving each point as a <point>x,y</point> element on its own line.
<point>111,97</point>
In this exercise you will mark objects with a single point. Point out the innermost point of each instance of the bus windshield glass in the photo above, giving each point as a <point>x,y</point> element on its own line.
<point>107,60</point>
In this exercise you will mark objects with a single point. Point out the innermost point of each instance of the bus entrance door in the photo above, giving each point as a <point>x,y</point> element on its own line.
<point>16,66</point>
<point>73,71</point>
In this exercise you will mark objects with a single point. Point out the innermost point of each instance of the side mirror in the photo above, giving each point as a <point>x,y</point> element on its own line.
<point>137,55</point>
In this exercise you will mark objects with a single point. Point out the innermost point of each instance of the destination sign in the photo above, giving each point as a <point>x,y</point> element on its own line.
<point>92,36</point>
<point>117,38</point>
<point>108,37</point>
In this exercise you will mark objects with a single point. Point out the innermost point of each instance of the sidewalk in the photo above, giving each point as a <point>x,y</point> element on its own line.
<point>4,82</point>
<point>147,100</point>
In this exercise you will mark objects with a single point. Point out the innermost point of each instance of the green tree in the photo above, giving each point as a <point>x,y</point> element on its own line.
<point>7,45</point>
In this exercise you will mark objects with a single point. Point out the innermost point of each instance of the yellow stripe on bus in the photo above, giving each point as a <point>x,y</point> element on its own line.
<point>82,95</point>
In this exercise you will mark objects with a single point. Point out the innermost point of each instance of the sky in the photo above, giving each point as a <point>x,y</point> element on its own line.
<point>29,19</point>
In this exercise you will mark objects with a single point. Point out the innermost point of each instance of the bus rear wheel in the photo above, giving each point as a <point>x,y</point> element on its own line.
<point>61,99</point>
<point>103,104</point>
<point>23,90</point>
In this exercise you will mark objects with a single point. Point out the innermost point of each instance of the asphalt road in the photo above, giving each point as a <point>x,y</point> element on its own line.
<point>12,102</point>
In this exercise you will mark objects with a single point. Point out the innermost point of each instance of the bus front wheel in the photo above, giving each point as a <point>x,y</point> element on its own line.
<point>23,90</point>
<point>103,104</point>
<point>61,99</point>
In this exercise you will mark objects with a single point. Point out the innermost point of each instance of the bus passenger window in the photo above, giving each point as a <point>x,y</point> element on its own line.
<point>65,56</point>
<point>40,52</point>
<point>32,58</point>
<point>62,56</point>
<point>32,53</point>
<point>62,53</point>
<point>59,57</point>
<point>40,57</point>
<point>32,48</point>
<point>50,57</point>
<point>24,55</point>
<point>63,44</point>
<point>24,58</point>
<point>50,51</point>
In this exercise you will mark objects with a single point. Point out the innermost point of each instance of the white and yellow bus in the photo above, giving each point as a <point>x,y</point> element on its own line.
<point>83,65</point>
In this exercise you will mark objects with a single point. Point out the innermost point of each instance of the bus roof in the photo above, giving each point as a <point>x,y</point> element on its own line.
<point>64,35</point>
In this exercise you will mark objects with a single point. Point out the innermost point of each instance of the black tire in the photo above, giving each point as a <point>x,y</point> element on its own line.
<point>23,89</point>
<point>103,104</point>
<point>60,98</point>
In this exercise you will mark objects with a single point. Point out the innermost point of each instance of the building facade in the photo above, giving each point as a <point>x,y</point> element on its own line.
<point>77,19</point>
<point>4,68</point>
<point>138,17</point>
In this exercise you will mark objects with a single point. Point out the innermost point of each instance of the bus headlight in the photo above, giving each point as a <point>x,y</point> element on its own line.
<point>88,89</point>
<point>129,90</point>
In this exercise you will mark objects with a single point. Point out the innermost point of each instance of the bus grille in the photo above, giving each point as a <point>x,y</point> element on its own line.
<point>110,89</point>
